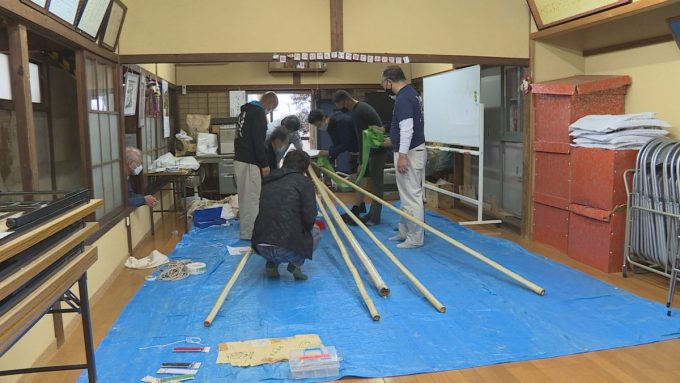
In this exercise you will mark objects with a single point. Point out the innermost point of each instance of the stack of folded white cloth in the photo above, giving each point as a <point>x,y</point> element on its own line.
<point>621,131</point>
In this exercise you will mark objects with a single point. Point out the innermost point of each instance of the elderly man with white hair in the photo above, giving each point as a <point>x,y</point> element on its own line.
<point>133,165</point>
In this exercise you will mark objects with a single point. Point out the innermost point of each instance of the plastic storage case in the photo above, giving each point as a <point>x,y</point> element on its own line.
<point>319,362</point>
<point>208,217</point>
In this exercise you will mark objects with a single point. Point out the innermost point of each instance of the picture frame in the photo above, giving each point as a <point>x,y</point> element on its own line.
<point>41,5</point>
<point>674,25</point>
<point>113,25</point>
<point>131,94</point>
<point>548,13</point>
<point>92,15</point>
<point>65,11</point>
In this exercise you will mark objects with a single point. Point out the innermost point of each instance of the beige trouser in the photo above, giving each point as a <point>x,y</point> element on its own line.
<point>248,186</point>
<point>410,185</point>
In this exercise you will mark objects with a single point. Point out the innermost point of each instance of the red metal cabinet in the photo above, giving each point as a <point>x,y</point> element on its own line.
<point>553,176</point>
<point>564,175</point>
<point>597,176</point>
<point>596,237</point>
<point>559,103</point>
<point>551,224</point>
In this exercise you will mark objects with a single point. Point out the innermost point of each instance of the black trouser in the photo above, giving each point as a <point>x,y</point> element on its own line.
<point>376,171</point>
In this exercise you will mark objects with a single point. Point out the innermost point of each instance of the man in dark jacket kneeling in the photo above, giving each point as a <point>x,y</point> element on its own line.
<point>285,229</point>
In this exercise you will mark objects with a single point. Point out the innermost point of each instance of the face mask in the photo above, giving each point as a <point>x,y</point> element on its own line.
<point>138,170</point>
<point>389,91</point>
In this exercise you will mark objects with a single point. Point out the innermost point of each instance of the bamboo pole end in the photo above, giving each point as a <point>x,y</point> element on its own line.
<point>376,317</point>
<point>207,323</point>
<point>442,309</point>
<point>384,292</point>
<point>542,292</point>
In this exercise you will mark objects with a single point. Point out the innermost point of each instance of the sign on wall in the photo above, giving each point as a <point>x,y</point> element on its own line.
<point>131,91</point>
<point>166,109</point>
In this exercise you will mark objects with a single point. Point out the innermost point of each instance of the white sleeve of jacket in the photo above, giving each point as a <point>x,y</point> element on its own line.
<point>405,135</point>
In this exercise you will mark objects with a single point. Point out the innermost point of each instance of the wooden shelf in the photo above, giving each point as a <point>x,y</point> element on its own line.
<point>16,280</point>
<point>19,244</point>
<point>20,318</point>
<point>637,24</point>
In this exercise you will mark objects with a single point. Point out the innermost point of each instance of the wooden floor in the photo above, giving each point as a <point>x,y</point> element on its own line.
<point>657,362</point>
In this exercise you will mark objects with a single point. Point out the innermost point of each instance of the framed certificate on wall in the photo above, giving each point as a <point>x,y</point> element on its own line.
<point>548,13</point>
<point>113,25</point>
<point>92,16</point>
<point>36,3</point>
<point>65,10</point>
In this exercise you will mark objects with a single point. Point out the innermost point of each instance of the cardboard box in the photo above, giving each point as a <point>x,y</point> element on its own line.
<point>437,200</point>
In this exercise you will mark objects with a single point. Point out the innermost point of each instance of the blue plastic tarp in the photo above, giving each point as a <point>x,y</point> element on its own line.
<point>490,318</point>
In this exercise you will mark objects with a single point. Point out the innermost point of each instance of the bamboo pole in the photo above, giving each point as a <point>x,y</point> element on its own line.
<point>361,254</point>
<point>382,247</point>
<point>223,296</point>
<point>532,286</point>
<point>348,262</point>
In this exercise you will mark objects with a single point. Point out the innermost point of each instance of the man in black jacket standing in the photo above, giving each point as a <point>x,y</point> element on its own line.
<point>250,162</point>
<point>340,127</point>
<point>364,117</point>
<point>285,229</point>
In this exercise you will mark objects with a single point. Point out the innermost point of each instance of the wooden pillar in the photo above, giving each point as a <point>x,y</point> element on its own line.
<point>336,26</point>
<point>528,170</point>
<point>83,122</point>
<point>21,94</point>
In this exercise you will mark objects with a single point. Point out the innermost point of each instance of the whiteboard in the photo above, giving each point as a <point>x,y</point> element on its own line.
<point>451,107</point>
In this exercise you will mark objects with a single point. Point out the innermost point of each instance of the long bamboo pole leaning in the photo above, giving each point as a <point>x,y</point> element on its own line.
<point>348,261</point>
<point>223,296</point>
<point>440,307</point>
<point>530,285</point>
<point>383,290</point>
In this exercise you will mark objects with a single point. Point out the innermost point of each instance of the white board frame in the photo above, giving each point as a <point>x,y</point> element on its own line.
<point>473,137</point>
<point>450,107</point>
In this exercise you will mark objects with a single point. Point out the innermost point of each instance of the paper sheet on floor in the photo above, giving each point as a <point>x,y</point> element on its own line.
<point>264,351</point>
<point>237,250</point>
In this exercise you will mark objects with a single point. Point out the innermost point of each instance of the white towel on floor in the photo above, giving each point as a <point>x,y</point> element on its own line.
<point>154,259</point>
